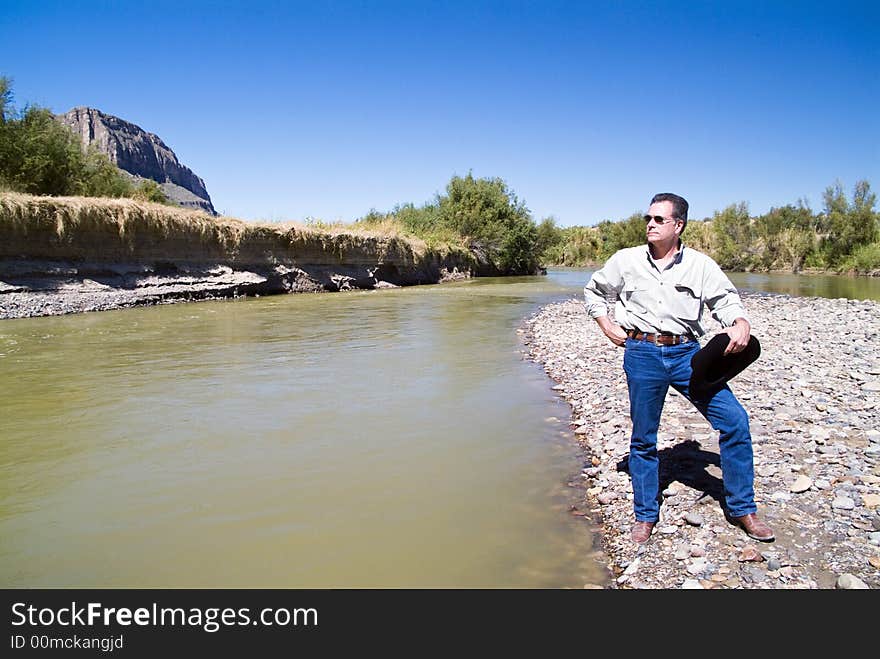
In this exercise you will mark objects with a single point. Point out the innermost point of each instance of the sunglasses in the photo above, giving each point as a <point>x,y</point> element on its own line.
<point>659,219</point>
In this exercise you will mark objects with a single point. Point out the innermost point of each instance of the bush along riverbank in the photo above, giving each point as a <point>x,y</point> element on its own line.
<point>844,237</point>
<point>814,402</point>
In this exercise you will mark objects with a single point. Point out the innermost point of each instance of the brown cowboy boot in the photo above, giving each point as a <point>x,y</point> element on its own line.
<point>641,532</point>
<point>755,528</point>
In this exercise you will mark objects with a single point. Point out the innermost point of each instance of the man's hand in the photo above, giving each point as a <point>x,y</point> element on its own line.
<point>615,332</point>
<point>739,334</point>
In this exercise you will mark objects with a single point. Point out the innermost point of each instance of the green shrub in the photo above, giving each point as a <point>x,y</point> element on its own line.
<point>549,238</point>
<point>492,221</point>
<point>698,235</point>
<point>864,260</point>
<point>481,215</point>
<point>732,237</point>
<point>618,235</point>
<point>850,224</point>
<point>784,237</point>
<point>149,190</point>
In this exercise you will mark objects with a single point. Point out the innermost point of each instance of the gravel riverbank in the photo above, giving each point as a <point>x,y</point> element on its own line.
<point>48,291</point>
<point>814,402</point>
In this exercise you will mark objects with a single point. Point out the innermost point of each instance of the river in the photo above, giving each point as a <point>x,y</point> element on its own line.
<point>360,439</point>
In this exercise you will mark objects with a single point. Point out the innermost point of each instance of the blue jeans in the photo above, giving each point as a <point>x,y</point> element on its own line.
<point>650,370</point>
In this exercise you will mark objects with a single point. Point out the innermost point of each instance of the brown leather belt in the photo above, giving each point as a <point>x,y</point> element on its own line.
<point>658,339</point>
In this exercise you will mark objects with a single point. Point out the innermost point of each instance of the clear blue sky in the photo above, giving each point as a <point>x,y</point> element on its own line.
<point>291,110</point>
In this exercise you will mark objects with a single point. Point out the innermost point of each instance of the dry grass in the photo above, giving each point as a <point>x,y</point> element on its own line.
<point>130,222</point>
<point>71,214</point>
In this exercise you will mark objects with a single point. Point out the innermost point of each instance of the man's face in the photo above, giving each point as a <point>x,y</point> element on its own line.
<point>658,233</point>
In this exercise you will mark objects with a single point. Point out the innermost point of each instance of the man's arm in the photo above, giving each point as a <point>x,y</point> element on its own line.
<point>612,330</point>
<point>605,283</point>
<point>727,308</point>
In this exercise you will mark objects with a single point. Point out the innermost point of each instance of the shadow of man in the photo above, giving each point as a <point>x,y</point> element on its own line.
<point>686,462</point>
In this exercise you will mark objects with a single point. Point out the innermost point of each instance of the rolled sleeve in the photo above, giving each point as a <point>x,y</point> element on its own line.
<point>722,298</point>
<point>605,284</point>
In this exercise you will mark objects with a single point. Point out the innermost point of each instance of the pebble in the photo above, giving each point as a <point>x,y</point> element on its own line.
<point>813,482</point>
<point>850,582</point>
<point>754,574</point>
<point>750,554</point>
<point>801,484</point>
<point>633,567</point>
<point>692,584</point>
<point>697,567</point>
<point>694,519</point>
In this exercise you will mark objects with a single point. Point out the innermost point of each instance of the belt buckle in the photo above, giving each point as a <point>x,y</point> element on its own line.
<point>665,339</point>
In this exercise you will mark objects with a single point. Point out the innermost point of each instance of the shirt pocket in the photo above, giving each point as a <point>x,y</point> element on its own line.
<point>686,304</point>
<point>639,294</point>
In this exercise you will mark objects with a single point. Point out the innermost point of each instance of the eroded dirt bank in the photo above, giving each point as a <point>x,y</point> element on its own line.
<point>63,255</point>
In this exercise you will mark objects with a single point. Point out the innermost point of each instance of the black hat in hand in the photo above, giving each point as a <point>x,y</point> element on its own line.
<point>712,368</point>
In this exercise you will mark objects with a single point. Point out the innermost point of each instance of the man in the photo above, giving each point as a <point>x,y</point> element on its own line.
<point>659,293</point>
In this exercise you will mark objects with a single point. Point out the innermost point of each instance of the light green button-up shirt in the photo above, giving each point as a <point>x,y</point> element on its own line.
<point>670,300</point>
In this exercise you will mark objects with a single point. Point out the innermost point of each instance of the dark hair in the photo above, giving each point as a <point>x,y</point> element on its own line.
<point>679,206</point>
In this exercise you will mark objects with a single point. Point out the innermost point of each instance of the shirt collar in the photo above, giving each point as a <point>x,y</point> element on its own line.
<point>678,256</point>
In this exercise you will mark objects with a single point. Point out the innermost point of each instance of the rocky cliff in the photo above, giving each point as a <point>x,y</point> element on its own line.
<point>141,154</point>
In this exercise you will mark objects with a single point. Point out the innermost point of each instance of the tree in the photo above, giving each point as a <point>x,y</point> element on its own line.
<point>785,236</point>
<point>698,235</point>
<point>850,225</point>
<point>492,221</point>
<point>39,155</point>
<point>795,246</point>
<point>864,219</point>
<point>549,236</point>
<point>581,246</point>
<point>5,98</point>
<point>732,236</point>
<point>518,254</point>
